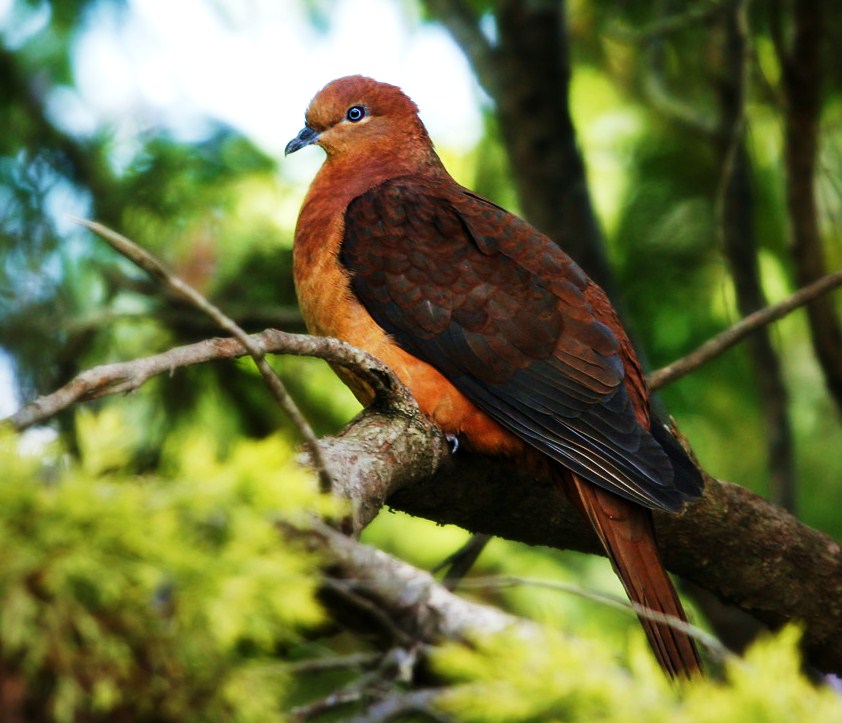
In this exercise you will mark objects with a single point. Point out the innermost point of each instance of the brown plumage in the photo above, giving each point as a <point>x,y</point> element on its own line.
<point>499,335</point>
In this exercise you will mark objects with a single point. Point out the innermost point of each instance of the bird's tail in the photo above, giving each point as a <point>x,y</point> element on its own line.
<point>628,536</point>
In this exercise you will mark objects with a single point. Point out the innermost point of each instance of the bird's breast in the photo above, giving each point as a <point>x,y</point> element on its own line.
<point>330,308</point>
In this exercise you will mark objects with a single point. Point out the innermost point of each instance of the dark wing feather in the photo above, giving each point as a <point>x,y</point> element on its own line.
<point>501,311</point>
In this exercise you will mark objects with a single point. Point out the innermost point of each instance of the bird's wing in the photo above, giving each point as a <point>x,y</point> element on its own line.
<point>502,312</point>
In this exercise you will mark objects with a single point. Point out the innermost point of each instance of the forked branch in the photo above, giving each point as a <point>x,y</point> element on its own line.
<point>128,376</point>
<point>157,270</point>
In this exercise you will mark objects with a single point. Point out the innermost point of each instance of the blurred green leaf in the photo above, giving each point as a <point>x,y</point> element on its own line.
<point>162,599</point>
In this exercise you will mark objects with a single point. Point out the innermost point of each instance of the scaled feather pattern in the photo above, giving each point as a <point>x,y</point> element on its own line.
<point>499,335</point>
<point>501,311</point>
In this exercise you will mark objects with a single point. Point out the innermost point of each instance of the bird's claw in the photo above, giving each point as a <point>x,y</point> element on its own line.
<point>452,442</point>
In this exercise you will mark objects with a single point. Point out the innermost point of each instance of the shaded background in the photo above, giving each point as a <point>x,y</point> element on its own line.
<point>166,121</point>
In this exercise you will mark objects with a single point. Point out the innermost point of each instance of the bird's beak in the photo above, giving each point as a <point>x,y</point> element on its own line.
<point>306,136</point>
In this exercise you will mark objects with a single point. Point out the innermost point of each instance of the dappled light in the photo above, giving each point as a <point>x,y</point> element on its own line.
<point>169,549</point>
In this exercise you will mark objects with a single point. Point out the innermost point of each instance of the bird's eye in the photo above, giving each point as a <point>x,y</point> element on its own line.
<point>355,113</point>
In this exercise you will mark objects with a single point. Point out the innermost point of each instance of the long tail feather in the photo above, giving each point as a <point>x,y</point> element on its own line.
<point>628,536</point>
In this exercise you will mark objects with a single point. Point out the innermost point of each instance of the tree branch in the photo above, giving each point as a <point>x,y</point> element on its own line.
<point>774,567</point>
<point>393,417</point>
<point>125,377</point>
<point>712,348</point>
<point>747,551</point>
<point>157,270</point>
<point>420,612</point>
<point>802,82</point>
<point>735,204</point>
<point>733,543</point>
<point>421,607</point>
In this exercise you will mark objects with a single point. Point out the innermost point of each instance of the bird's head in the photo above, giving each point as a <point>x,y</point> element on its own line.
<point>356,115</point>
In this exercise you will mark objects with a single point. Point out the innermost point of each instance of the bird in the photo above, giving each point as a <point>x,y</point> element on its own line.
<point>502,339</point>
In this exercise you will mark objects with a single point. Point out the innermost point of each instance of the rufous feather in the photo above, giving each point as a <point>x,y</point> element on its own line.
<point>499,335</point>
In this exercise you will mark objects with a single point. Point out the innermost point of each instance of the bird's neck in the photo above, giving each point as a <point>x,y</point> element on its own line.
<point>343,178</point>
<point>319,232</point>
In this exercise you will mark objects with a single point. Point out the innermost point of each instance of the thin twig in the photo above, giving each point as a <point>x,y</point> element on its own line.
<point>397,666</point>
<point>345,590</point>
<point>712,348</point>
<point>125,377</point>
<point>509,581</point>
<point>155,268</point>
<point>333,663</point>
<point>342,697</point>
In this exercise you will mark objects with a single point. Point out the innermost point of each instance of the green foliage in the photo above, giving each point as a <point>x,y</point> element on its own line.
<point>521,678</point>
<point>167,595</point>
<point>158,599</point>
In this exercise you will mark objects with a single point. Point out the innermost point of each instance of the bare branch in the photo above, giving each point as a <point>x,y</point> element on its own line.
<point>733,543</point>
<point>421,606</point>
<point>460,562</point>
<point>502,582</point>
<point>393,419</point>
<point>381,690</point>
<point>764,560</point>
<point>342,697</point>
<point>125,377</point>
<point>155,268</point>
<point>712,348</point>
<point>345,592</point>
<point>394,423</point>
<point>778,569</point>
<point>328,664</point>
